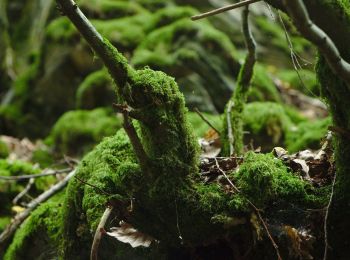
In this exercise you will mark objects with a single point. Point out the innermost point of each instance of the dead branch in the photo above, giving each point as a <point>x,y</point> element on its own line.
<point>20,217</point>
<point>206,120</point>
<point>99,232</point>
<point>23,192</point>
<point>231,139</point>
<point>326,244</point>
<point>224,9</point>
<point>47,172</point>
<point>299,14</point>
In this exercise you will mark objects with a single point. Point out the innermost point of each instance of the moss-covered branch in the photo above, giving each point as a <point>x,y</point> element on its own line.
<point>235,106</point>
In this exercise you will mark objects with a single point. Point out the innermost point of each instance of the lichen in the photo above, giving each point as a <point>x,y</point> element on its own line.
<point>77,131</point>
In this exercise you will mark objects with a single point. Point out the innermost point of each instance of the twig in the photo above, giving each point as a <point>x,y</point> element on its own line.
<point>299,14</point>
<point>257,211</point>
<point>177,223</point>
<point>99,232</point>
<point>20,217</point>
<point>326,245</point>
<point>206,120</point>
<point>23,192</point>
<point>135,141</point>
<point>30,176</point>
<point>231,139</point>
<point>93,186</point>
<point>224,9</point>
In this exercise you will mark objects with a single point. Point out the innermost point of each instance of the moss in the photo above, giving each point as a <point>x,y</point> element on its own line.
<point>307,135</point>
<point>4,221</point>
<point>43,156</point>
<point>77,131</point>
<point>266,120</point>
<point>43,227</point>
<point>95,91</point>
<point>265,179</point>
<point>262,86</point>
<point>60,30</point>
<point>4,150</point>
<point>109,9</point>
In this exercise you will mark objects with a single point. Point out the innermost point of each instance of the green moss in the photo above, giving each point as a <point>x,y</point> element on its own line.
<point>262,86</point>
<point>307,135</point>
<point>266,119</point>
<point>4,221</point>
<point>43,226</point>
<point>14,168</point>
<point>107,9</point>
<point>77,131</point>
<point>95,91</point>
<point>60,29</point>
<point>264,179</point>
<point>4,150</point>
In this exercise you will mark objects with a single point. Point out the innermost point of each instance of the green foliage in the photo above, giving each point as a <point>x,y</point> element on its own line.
<point>77,131</point>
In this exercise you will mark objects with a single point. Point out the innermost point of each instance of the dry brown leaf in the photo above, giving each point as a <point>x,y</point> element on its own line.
<point>126,233</point>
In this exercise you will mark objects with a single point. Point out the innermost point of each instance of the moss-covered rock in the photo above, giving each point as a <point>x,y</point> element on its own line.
<point>78,131</point>
<point>96,90</point>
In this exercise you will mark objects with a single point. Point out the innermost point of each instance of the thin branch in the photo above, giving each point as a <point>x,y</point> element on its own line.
<point>113,60</point>
<point>99,232</point>
<point>299,14</point>
<point>224,9</point>
<point>30,176</point>
<point>206,120</point>
<point>231,139</point>
<point>93,186</point>
<point>326,245</point>
<point>23,192</point>
<point>20,217</point>
<point>257,211</point>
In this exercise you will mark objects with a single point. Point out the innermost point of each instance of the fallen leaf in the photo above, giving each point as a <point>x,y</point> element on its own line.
<point>126,233</point>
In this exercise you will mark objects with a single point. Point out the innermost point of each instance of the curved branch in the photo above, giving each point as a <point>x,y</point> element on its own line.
<point>299,14</point>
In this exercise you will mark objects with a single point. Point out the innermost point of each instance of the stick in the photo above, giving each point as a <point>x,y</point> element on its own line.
<point>23,192</point>
<point>99,232</point>
<point>326,245</point>
<point>30,176</point>
<point>20,217</point>
<point>231,139</point>
<point>206,120</point>
<point>223,9</point>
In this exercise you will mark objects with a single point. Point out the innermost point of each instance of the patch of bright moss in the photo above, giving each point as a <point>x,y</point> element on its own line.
<point>77,131</point>
<point>4,221</point>
<point>199,126</point>
<point>307,135</point>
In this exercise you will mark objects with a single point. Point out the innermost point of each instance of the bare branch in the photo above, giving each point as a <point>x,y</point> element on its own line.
<point>20,217</point>
<point>99,232</point>
<point>206,120</point>
<point>299,14</point>
<point>47,172</point>
<point>23,192</point>
<point>224,9</point>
